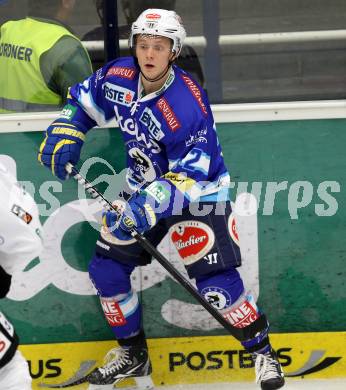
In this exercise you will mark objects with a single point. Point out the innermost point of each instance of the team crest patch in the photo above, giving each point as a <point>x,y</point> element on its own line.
<point>21,213</point>
<point>192,239</point>
<point>232,228</point>
<point>217,297</point>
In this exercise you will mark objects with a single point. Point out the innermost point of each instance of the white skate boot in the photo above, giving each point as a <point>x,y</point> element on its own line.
<point>269,373</point>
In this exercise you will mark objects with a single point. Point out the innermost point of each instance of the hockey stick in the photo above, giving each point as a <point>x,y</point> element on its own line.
<point>240,334</point>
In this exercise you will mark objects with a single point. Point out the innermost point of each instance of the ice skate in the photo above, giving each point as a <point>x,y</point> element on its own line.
<point>268,370</point>
<point>141,383</point>
<point>122,363</point>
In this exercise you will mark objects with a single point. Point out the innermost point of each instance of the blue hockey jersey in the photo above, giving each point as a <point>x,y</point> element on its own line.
<point>169,135</point>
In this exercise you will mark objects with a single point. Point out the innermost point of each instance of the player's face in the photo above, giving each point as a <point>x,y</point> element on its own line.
<point>153,54</point>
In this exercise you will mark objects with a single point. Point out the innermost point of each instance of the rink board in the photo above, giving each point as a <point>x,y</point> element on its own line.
<point>195,359</point>
<point>300,261</point>
<point>300,267</point>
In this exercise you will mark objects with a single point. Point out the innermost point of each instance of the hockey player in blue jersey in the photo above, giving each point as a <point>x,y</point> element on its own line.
<point>174,162</point>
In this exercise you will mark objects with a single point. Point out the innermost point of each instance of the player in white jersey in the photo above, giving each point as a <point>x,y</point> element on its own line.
<point>20,242</point>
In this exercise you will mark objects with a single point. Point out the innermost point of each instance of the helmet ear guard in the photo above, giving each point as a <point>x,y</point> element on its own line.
<point>160,22</point>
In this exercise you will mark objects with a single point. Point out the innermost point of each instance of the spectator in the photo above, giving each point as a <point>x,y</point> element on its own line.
<point>40,58</point>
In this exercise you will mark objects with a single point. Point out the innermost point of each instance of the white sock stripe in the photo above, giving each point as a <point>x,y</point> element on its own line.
<point>129,304</point>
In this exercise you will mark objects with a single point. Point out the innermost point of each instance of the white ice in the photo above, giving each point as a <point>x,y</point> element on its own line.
<point>291,384</point>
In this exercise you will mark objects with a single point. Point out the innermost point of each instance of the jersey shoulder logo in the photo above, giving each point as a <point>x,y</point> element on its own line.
<point>122,71</point>
<point>196,92</point>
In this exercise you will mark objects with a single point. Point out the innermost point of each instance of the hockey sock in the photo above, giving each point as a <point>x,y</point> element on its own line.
<point>259,344</point>
<point>138,340</point>
<point>225,291</point>
<point>123,313</point>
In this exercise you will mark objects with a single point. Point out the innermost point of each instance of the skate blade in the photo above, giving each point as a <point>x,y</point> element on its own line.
<point>111,387</point>
<point>142,383</point>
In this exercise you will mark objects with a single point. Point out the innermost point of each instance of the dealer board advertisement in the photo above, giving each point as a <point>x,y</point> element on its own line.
<point>293,248</point>
<point>207,359</point>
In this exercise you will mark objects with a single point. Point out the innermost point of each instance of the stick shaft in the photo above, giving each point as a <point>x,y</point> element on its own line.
<point>238,333</point>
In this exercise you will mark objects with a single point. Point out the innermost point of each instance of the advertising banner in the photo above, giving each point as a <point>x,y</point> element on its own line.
<point>288,179</point>
<point>185,360</point>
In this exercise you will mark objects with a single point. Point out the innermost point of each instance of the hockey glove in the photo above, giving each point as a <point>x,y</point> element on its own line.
<point>62,144</point>
<point>138,214</point>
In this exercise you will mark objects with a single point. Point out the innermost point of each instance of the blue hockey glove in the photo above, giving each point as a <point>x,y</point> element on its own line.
<point>62,144</point>
<point>138,214</point>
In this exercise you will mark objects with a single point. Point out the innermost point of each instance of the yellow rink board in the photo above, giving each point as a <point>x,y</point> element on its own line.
<point>195,359</point>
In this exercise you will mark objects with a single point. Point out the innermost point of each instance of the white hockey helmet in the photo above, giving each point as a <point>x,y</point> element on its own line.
<point>160,22</point>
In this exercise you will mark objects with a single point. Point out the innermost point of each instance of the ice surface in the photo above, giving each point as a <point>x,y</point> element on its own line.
<point>291,384</point>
